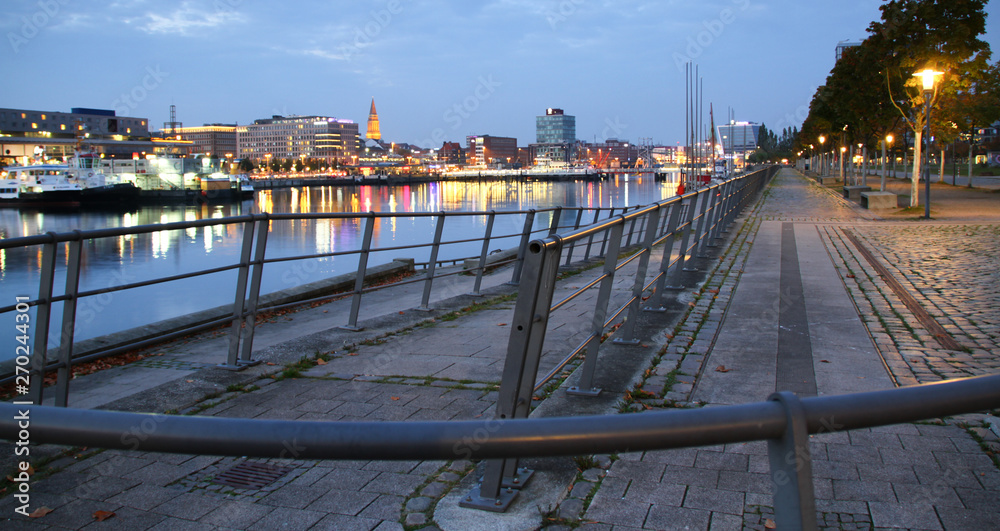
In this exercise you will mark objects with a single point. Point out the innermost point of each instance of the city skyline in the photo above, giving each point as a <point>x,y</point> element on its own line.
<point>440,71</point>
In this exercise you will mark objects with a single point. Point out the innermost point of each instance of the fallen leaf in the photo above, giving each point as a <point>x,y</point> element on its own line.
<point>722,368</point>
<point>713,291</point>
<point>39,512</point>
<point>101,516</point>
<point>30,470</point>
<point>352,353</point>
<point>393,398</point>
<point>501,324</point>
<point>850,275</point>
<point>400,313</point>
<point>320,361</point>
<point>692,304</point>
<point>326,311</point>
<point>269,363</point>
<point>824,361</point>
<point>769,524</point>
<point>643,345</point>
<point>189,381</point>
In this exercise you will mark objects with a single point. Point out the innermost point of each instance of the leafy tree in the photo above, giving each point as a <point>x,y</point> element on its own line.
<point>938,34</point>
<point>246,165</point>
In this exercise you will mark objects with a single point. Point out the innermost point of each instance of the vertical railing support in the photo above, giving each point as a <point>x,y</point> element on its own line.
<point>791,468</point>
<point>432,264</point>
<point>359,280</point>
<point>250,312</point>
<point>43,316</point>
<point>699,232</point>
<point>675,275</point>
<point>554,223</point>
<point>590,239</point>
<point>524,350</point>
<point>66,333</point>
<point>529,223</point>
<point>656,303</point>
<point>711,218</point>
<point>585,387</point>
<point>572,245</point>
<point>239,302</point>
<point>605,237</point>
<point>626,334</point>
<point>481,270</point>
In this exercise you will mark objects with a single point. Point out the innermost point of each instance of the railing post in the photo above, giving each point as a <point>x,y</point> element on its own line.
<point>586,385</point>
<point>572,245</point>
<point>590,239</point>
<point>628,329</point>
<point>432,266</point>
<point>791,468</point>
<point>711,220</point>
<point>656,299</point>
<point>43,316</point>
<point>529,222</point>
<point>720,224</point>
<point>66,333</point>
<point>554,222</point>
<point>699,233</point>
<point>485,252</point>
<point>682,251</point>
<point>359,280</point>
<point>524,349</point>
<point>262,226</point>
<point>604,238</point>
<point>239,303</point>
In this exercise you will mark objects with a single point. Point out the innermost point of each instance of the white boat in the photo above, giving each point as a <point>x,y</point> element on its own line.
<point>40,184</point>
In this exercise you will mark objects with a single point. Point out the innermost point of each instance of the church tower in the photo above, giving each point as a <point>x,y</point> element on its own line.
<point>373,131</point>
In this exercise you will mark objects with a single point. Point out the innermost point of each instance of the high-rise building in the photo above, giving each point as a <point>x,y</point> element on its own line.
<point>292,137</point>
<point>555,127</point>
<point>211,139</point>
<point>843,45</point>
<point>373,132</point>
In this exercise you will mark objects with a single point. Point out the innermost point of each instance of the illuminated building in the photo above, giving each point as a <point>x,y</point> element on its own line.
<point>484,150</point>
<point>292,137</point>
<point>373,132</point>
<point>738,137</point>
<point>213,139</point>
<point>555,127</point>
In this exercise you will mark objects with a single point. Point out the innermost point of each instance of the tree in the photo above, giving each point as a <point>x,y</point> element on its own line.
<point>917,34</point>
<point>246,165</point>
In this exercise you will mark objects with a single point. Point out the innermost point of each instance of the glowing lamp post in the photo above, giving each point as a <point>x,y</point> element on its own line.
<point>887,140</point>
<point>822,162</point>
<point>927,77</point>
<point>843,150</point>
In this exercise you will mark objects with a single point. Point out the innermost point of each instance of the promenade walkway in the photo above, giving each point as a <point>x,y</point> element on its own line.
<point>790,301</point>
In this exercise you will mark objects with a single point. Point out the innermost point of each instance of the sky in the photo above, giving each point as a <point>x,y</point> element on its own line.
<point>437,70</point>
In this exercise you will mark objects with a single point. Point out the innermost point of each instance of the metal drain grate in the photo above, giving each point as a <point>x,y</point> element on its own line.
<point>250,475</point>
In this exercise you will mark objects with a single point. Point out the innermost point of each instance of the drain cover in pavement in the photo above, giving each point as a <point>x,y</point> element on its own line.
<point>250,475</point>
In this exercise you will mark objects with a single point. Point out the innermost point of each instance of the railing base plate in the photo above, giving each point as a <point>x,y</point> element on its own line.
<point>691,269</point>
<point>519,480</point>
<point>240,365</point>
<point>625,341</point>
<point>593,391</point>
<point>473,500</point>
<point>658,309</point>
<point>350,328</point>
<point>674,288</point>
<point>423,309</point>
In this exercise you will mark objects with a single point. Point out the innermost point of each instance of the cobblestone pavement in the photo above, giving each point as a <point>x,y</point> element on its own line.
<point>912,476</point>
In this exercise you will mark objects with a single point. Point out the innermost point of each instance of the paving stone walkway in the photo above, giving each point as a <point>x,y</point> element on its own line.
<point>723,348</point>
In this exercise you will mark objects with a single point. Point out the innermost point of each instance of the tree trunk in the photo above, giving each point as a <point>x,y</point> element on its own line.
<point>941,168</point>
<point>970,162</point>
<point>915,179</point>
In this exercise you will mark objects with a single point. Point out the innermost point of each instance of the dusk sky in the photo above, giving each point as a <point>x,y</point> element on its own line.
<point>438,70</point>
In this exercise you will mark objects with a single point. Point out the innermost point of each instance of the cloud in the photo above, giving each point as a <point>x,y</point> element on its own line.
<point>189,19</point>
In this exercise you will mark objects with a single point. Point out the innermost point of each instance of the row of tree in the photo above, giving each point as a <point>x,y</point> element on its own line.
<point>872,91</point>
<point>286,165</point>
<point>771,147</point>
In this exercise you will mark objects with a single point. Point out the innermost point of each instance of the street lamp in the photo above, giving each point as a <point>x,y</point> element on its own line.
<point>822,170</point>
<point>843,150</point>
<point>927,76</point>
<point>887,140</point>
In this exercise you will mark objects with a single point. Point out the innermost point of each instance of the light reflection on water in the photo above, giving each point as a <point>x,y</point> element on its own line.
<point>115,261</point>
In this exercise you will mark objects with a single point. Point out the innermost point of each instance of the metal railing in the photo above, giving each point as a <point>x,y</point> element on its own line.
<point>62,254</point>
<point>785,422</point>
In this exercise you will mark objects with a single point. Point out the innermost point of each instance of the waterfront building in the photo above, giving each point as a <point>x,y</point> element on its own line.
<point>52,135</point>
<point>373,132</point>
<point>738,137</point>
<point>293,137</point>
<point>451,153</point>
<point>485,150</point>
<point>555,127</point>
<point>612,153</point>
<point>210,139</point>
